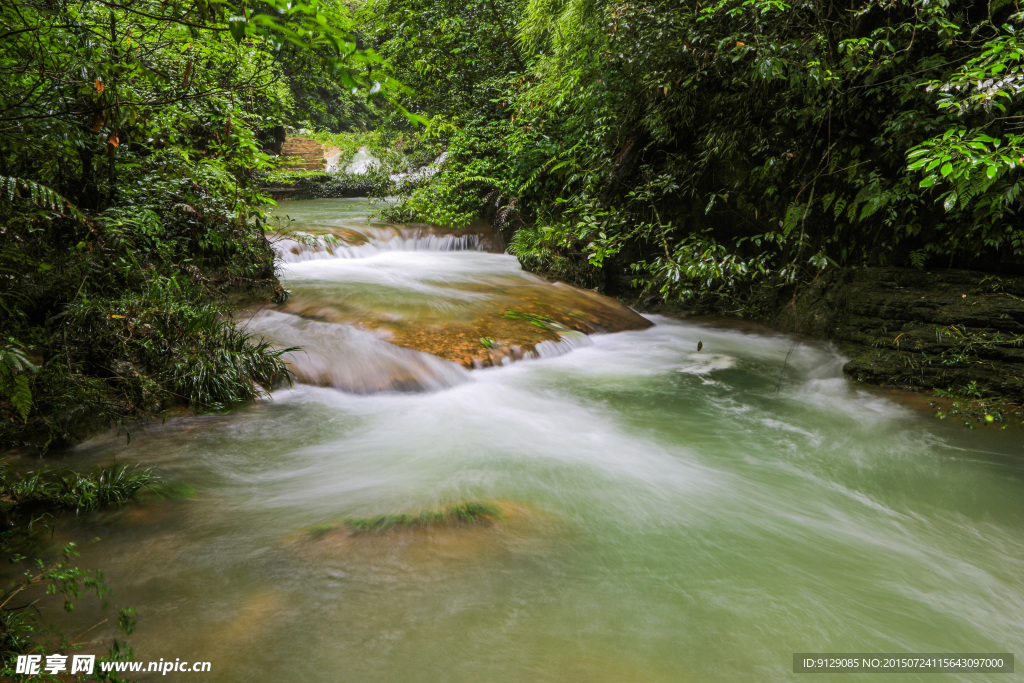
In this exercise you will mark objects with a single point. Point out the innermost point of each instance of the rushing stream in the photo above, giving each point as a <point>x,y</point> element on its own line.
<point>669,516</point>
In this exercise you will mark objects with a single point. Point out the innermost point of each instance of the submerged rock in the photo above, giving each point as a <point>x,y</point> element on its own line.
<point>421,539</point>
<point>351,359</point>
<point>478,323</point>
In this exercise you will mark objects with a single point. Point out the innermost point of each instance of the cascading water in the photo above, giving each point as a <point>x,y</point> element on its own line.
<point>351,359</point>
<point>668,515</point>
<point>435,290</point>
<point>361,162</point>
<point>313,246</point>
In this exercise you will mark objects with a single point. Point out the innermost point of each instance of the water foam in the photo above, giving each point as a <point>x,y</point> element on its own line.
<point>353,360</point>
<point>314,247</point>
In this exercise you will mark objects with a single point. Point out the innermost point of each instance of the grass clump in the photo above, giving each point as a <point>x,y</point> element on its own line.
<point>473,513</point>
<point>56,490</point>
<point>465,514</point>
<point>26,501</point>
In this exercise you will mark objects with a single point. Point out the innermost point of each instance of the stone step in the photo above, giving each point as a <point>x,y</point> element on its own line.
<point>303,153</point>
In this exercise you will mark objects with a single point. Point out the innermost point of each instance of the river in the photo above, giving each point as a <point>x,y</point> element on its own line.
<point>668,514</point>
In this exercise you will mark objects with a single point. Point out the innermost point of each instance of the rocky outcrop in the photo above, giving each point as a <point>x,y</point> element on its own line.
<point>321,186</point>
<point>948,329</point>
<point>507,321</point>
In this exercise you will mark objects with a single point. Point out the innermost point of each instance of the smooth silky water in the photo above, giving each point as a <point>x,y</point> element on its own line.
<point>675,518</point>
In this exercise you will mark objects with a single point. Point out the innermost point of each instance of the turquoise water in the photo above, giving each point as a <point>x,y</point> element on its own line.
<point>670,517</point>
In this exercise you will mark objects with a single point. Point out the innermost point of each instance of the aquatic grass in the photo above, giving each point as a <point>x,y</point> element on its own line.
<point>473,513</point>
<point>160,491</point>
<point>50,489</point>
<point>318,530</point>
<point>470,513</point>
<point>541,321</point>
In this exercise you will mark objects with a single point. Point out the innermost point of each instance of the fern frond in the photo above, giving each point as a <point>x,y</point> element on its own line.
<point>12,357</point>
<point>21,396</point>
<point>14,383</point>
<point>38,194</point>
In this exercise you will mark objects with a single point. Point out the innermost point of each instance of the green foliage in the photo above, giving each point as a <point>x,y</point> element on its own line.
<point>26,501</point>
<point>51,490</point>
<point>23,631</point>
<point>446,51</point>
<point>695,150</point>
<point>698,264</point>
<point>38,194</point>
<point>123,308</point>
<point>166,338</point>
<point>347,144</point>
<point>471,513</point>
<point>15,368</point>
<point>321,185</point>
<point>130,163</point>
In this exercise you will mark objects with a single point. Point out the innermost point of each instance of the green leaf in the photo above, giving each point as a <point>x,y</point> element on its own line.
<point>237,27</point>
<point>21,396</point>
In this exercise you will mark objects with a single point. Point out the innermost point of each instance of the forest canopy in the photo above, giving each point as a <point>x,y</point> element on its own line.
<point>132,139</point>
<point>695,148</point>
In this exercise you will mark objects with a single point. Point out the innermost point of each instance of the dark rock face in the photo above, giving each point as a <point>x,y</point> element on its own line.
<point>322,186</point>
<point>953,329</point>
